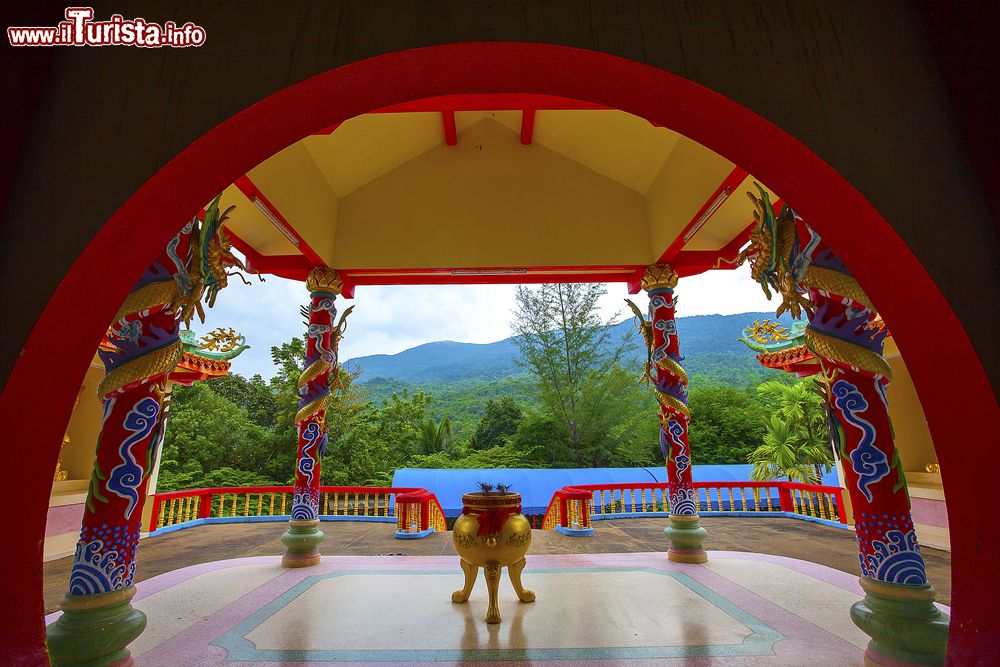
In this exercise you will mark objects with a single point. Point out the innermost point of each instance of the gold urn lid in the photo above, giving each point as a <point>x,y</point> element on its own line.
<point>491,501</point>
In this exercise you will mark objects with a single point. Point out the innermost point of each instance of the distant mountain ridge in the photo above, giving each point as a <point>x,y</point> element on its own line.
<point>706,341</point>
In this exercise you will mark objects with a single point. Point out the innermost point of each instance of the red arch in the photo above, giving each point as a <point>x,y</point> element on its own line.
<point>957,394</point>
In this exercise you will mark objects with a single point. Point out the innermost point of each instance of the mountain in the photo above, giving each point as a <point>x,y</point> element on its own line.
<point>708,343</point>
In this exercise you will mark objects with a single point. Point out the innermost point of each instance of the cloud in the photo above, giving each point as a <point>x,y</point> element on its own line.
<point>388,320</point>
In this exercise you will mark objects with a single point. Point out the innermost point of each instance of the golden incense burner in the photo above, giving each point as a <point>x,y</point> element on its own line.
<point>491,534</point>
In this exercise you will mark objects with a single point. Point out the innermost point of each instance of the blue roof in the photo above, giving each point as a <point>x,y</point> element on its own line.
<point>536,486</point>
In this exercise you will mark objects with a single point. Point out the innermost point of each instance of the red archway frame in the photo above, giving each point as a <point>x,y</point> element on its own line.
<point>958,398</point>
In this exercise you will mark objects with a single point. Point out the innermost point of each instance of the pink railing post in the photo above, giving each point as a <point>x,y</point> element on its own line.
<point>841,510</point>
<point>154,516</point>
<point>205,506</point>
<point>785,497</point>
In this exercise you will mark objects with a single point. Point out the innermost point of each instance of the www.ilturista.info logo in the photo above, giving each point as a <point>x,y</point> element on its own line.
<point>79,29</point>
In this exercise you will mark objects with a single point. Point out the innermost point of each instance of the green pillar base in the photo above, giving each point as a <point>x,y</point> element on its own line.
<point>686,537</point>
<point>301,542</point>
<point>95,630</point>
<point>905,626</point>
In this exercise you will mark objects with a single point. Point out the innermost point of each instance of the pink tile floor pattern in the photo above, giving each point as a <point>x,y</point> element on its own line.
<point>592,609</point>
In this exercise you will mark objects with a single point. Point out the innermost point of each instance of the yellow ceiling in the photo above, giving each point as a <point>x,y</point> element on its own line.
<point>384,191</point>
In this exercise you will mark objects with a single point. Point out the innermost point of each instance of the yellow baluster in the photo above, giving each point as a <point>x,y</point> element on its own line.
<point>355,503</point>
<point>170,512</point>
<point>743,495</point>
<point>160,517</point>
<point>270,509</point>
<point>283,504</point>
<point>767,494</point>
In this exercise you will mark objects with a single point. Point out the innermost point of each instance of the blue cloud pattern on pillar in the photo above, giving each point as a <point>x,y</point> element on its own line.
<point>896,561</point>
<point>305,505</point>
<point>682,460</point>
<point>125,478</point>
<point>682,501</point>
<point>98,564</point>
<point>867,460</point>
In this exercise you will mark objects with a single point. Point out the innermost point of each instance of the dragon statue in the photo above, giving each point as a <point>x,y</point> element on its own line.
<point>210,260</point>
<point>773,251</point>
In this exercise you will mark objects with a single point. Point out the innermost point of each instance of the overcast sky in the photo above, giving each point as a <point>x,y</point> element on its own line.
<point>387,320</point>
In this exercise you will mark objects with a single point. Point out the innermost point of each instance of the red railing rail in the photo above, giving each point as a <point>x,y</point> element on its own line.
<point>177,507</point>
<point>586,500</point>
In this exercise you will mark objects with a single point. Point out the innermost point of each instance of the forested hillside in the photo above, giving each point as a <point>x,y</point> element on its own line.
<point>708,342</point>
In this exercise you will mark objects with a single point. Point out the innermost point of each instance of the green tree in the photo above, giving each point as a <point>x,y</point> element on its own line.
<point>498,423</point>
<point>432,436</point>
<point>726,423</point>
<point>575,362</point>
<point>796,442</point>
<point>376,441</point>
<point>253,395</point>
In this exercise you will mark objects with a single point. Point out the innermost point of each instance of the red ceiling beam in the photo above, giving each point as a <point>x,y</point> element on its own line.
<point>250,190</point>
<point>450,130</point>
<point>492,102</point>
<point>727,188</point>
<point>297,267</point>
<point>596,268</point>
<point>492,279</point>
<point>527,126</point>
<point>701,217</point>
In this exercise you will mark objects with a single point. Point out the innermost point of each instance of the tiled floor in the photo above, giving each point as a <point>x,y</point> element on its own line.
<point>636,609</point>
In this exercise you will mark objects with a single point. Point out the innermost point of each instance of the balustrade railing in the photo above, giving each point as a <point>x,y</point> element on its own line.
<point>178,509</point>
<point>573,507</point>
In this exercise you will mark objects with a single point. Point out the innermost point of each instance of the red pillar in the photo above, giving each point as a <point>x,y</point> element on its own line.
<point>670,385</point>
<point>846,335</point>
<point>98,621</point>
<point>303,536</point>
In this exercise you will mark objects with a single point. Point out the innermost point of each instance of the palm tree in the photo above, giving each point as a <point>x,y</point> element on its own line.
<point>796,445</point>
<point>787,453</point>
<point>432,437</point>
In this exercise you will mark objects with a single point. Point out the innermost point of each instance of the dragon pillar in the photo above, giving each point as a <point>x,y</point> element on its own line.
<point>670,385</point>
<point>846,335</point>
<point>303,536</point>
<point>98,621</point>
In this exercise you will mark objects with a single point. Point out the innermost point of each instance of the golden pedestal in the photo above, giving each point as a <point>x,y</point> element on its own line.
<point>492,534</point>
